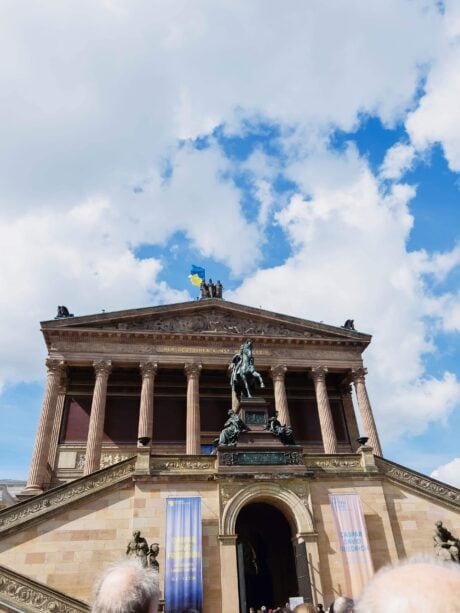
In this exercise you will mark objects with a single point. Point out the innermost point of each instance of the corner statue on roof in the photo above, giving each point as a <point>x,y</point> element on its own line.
<point>243,372</point>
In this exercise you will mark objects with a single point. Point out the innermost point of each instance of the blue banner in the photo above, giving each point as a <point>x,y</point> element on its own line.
<point>183,568</point>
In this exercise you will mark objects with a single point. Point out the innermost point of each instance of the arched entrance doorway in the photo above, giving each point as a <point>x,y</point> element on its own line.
<point>266,562</point>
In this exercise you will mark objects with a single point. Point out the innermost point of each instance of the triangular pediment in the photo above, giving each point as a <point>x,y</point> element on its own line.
<point>208,317</point>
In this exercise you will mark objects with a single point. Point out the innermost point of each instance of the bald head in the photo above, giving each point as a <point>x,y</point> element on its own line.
<point>421,584</point>
<point>127,587</point>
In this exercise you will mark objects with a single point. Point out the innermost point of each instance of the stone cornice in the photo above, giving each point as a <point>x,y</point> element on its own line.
<point>24,594</point>
<point>420,483</point>
<point>34,508</point>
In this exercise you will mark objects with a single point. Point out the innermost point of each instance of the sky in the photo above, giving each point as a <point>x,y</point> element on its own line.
<point>307,154</point>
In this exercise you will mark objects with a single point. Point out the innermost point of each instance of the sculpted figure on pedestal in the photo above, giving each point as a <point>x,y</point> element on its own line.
<point>138,548</point>
<point>152,561</point>
<point>284,433</point>
<point>445,544</point>
<point>232,429</point>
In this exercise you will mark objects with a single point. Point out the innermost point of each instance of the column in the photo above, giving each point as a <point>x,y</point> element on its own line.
<point>367,417</point>
<point>281,404</point>
<point>148,371</point>
<point>96,420</point>
<point>350,415</point>
<point>192,444</point>
<point>37,473</point>
<point>324,410</point>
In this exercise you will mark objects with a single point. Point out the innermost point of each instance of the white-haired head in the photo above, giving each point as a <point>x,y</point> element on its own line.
<point>342,604</point>
<point>421,584</point>
<point>127,587</point>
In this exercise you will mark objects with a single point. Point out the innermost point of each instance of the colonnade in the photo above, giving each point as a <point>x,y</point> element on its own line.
<point>56,373</point>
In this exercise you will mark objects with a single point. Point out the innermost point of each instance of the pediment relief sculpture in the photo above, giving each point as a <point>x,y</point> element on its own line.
<point>217,323</point>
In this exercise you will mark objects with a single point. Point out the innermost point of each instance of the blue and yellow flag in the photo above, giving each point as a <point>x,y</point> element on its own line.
<point>197,275</point>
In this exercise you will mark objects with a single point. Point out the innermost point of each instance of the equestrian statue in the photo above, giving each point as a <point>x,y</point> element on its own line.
<point>243,372</point>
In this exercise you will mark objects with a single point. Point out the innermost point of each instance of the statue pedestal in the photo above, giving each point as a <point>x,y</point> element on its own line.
<point>254,413</point>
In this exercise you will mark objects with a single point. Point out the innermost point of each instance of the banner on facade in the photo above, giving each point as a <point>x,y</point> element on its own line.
<point>183,568</point>
<point>353,541</point>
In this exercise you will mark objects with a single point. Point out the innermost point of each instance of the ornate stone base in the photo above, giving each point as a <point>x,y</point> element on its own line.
<point>267,459</point>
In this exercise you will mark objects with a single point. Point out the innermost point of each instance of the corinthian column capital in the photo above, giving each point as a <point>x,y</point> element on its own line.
<point>148,369</point>
<point>358,375</point>
<point>102,368</point>
<point>55,366</point>
<point>192,370</point>
<point>318,373</point>
<point>278,372</point>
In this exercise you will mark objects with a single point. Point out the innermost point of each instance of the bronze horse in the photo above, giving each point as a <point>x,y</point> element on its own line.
<point>243,371</point>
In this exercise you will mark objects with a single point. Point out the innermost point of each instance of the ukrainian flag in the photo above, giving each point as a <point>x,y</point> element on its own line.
<point>197,275</point>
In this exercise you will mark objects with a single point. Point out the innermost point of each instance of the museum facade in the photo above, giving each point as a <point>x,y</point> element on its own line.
<point>133,405</point>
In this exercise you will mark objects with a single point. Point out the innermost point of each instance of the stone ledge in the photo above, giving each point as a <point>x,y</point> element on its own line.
<point>20,593</point>
<point>36,507</point>
<point>419,482</point>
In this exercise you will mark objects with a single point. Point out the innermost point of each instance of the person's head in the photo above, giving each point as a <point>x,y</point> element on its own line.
<point>342,604</point>
<point>127,587</point>
<point>420,584</point>
<point>305,607</point>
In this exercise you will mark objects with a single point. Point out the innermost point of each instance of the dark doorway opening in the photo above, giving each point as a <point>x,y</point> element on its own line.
<point>266,563</point>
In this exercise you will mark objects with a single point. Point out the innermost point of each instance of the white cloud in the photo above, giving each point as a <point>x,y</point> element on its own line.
<point>69,258</point>
<point>398,159</point>
<point>437,117</point>
<point>449,473</point>
<point>351,260</point>
<point>96,92</point>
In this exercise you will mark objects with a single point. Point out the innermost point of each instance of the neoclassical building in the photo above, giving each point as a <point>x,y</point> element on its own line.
<point>133,402</point>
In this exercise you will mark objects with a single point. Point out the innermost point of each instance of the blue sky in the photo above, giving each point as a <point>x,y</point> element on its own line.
<point>310,162</point>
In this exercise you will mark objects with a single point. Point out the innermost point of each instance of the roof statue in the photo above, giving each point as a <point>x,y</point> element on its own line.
<point>210,289</point>
<point>62,312</point>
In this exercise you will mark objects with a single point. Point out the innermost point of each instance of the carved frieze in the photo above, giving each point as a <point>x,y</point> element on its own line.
<point>63,495</point>
<point>181,464</point>
<point>219,323</point>
<point>419,482</point>
<point>25,594</point>
<point>333,463</point>
<point>107,458</point>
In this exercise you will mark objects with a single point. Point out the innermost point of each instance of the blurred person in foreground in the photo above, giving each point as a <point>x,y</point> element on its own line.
<point>419,584</point>
<point>305,607</point>
<point>127,587</point>
<point>342,604</point>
